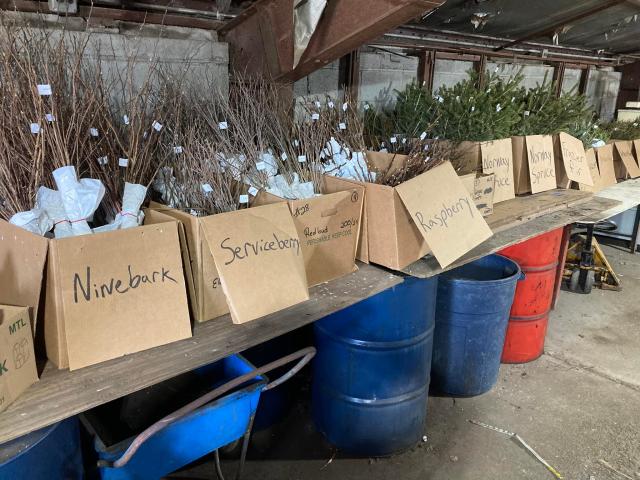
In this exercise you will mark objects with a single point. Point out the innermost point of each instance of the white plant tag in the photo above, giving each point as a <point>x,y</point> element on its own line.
<point>393,140</point>
<point>244,198</point>
<point>206,188</point>
<point>318,105</point>
<point>223,125</point>
<point>157,126</point>
<point>261,166</point>
<point>423,135</point>
<point>315,116</point>
<point>345,105</point>
<point>93,132</point>
<point>49,117</point>
<point>253,191</point>
<point>35,128</point>
<point>404,140</point>
<point>125,119</point>
<point>330,104</point>
<point>123,162</point>
<point>177,149</point>
<point>44,90</point>
<point>366,106</point>
<point>302,158</point>
<point>342,126</point>
<point>526,113</point>
<point>283,156</point>
<point>103,160</point>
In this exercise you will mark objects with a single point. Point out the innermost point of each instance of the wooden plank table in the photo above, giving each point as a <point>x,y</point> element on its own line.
<point>61,394</point>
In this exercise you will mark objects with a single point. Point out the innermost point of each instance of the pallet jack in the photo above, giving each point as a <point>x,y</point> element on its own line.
<point>586,265</point>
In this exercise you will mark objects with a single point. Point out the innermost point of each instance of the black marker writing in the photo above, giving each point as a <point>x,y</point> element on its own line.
<point>90,290</point>
<point>258,247</point>
<point>441,219</point>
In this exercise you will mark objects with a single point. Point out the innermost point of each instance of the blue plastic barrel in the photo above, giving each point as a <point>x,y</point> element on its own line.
<point>371,371</point>
<point>50,453</point>
<point>471,320</point>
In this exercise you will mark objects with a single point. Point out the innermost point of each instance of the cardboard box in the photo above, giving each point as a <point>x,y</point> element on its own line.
<point>259,257</point>
<point>592,162</point>
<point>328,227</point>
<point>115,293</point>
<point>623,160</point>
<point>606,168</point>
<point>466,156</point>
<point>392,236</point>
<point>17,358</point>
<point>545,165</point>
<point>206,295</point>
<point>22,260</point>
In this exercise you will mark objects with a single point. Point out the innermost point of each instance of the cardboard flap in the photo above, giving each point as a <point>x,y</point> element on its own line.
<point>483,193</point>
<point>541,161</point>
<point>623,154</point>
<point>259,258</point>
<point>17,357</point>
<point>121,292</point>
<point>467,156</point>
<point>22,259</point>
<point>444,213</point>
<point>574,159</point>
<point>592,163</point>
<point>605,165</point>
<point>497,159</point>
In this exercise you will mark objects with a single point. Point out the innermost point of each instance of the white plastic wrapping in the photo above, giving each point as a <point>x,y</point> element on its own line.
<point>132,199</point>
<point>80,198</point>
<point>35,221</point>
<point>51,201</point>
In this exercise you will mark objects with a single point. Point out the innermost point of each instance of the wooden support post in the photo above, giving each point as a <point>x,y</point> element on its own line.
<point>481,68</point>
<point>426,68</point>
<point>584,78</point>
<point>349,74</point>
<point>558,77</point>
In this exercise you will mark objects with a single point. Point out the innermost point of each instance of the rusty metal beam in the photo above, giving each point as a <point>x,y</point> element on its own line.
<point>556,26</point>
<point>261,38</point>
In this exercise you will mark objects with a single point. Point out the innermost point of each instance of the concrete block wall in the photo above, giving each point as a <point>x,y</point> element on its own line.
<point>381,73</point>
<point>571,79</point>
<point>321,83</point>
<point>533,74</point>
<point>449,72</point>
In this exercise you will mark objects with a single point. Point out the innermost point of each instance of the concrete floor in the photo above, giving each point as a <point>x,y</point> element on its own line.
<point>578,405</point>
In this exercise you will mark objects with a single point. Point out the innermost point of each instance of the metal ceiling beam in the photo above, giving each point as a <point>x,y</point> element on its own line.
<point>556,26</point>
<point>261,38</point>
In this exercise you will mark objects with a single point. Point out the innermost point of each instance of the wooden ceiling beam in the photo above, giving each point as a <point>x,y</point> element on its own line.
<point>261,38</point>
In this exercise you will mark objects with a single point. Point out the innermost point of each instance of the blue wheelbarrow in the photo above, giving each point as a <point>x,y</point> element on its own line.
<point>200,427</point>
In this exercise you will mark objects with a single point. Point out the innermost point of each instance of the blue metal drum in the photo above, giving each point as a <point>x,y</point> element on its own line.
<point>371,372</point>
<point>50,453</point>
<point>471,321</point>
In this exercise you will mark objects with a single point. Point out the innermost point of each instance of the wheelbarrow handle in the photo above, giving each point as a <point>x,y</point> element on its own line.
<point>305,355</point>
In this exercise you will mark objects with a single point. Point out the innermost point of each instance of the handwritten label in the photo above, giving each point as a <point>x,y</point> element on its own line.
<point>260,239</point>
<point>88,288</point>
<point>542,169</point>
<point>497,159</point>
<point>444,213</point>
<point>483,194</point>
<point>301,210</point>
<point>574,159</point>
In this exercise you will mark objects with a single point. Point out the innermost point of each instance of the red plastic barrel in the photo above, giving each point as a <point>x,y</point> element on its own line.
<point>538,259</point>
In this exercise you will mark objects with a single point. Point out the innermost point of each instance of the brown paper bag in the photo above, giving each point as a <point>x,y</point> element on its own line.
<point>497,158</point>
<point>259,257</point>
<point>444,213</point>
<point>636,150</point>
<point>623,160</point>
<point>17,358</point>
<point>592,163</point>
<point>540,157</point>
<point>22,259</point>
<point>574,159</point>
<point>605,165</point>
<point>467,157</point>
<point>115,293</point>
